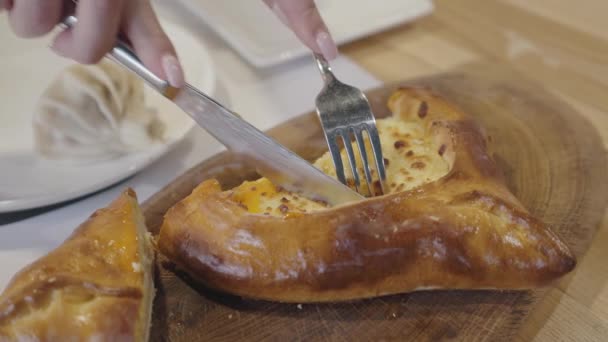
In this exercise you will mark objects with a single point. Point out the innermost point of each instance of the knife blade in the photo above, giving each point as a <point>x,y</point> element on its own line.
<point>271,159</point>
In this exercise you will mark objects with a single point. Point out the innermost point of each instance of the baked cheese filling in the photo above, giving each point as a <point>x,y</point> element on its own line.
<point>411,158</point>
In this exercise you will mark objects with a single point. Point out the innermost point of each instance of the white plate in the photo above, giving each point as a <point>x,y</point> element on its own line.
<point>26,68</point>
<point>253,30</point>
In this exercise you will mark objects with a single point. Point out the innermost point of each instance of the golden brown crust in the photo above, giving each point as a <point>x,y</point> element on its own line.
<point>463,231</point>
<point>90,287</point>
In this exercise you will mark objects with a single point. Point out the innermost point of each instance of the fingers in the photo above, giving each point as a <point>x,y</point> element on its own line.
<point>150,42</point>
<point>303,17</point>
<point>94,34</point>
<point>33,18</point>
<point>6,5</point>
<point>99,22</point>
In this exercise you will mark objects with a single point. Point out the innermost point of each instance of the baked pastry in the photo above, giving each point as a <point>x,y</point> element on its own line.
<point>96,286</point>
<point>449,222</point>
<point>92,112</point>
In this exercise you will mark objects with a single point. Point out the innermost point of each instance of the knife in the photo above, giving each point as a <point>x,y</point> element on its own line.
<point>271,159</point>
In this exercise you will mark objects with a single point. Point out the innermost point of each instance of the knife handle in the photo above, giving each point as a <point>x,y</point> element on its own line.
<point>122,54</point>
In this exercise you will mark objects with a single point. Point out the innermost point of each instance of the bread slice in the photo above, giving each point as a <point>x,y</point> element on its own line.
<point>449,222</point>
<point>98,285</point>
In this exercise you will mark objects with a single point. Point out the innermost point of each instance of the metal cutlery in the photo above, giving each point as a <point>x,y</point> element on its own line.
<point>272,160</point>
<point>345,114</point>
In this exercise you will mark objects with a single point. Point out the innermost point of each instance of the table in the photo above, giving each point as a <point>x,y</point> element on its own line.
<point>557,42</point>
<point>560,43</point>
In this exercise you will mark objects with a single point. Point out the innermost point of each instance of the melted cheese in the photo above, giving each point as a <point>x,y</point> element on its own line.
<point>411,158</point>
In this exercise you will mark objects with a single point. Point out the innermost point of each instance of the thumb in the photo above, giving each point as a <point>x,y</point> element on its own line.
<point>304,19</point>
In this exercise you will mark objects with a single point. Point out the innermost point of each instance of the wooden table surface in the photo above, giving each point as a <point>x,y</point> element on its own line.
<point>564,45</point>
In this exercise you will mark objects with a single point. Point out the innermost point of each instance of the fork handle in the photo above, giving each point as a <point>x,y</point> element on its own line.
<point>324,68</point>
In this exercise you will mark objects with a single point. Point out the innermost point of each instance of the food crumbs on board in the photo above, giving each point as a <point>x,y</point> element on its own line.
<point>299,306</point>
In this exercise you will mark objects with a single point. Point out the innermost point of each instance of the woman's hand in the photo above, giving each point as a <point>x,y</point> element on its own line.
<point>99,22</point>
<point>303,18</point>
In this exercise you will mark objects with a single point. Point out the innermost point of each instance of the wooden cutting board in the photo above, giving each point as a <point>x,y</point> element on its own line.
<point>554,162</point>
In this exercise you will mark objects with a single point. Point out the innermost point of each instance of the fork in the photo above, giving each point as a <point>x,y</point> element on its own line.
<point>345,113</point>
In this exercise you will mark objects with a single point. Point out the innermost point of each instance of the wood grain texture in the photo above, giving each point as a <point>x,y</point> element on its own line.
<point>554,162</point>
<point>559,44</point>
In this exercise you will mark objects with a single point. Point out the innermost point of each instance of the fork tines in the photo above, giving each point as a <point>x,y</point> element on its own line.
<point>345,115</point>
<point>375,187</point>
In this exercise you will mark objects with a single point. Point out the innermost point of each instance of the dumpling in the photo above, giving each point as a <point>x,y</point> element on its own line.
<point>94,112</point>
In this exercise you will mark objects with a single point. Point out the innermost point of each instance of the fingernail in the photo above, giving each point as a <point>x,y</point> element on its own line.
<point>173,70</point>
<point>326,45</point>
<point>279,13</point>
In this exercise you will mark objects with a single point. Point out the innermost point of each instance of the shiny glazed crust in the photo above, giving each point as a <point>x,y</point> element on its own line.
<point>96,286</point>
<point>462,231</point>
